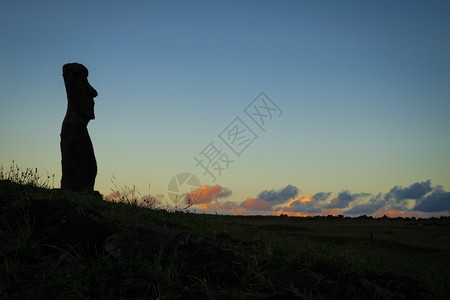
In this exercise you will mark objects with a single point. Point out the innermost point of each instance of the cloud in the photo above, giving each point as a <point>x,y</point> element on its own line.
<point>367,208</point>
<point>414,191</point>
<point>344,199</point>
<point>207,194</point>
<point>267,200</point>
<point>279,196</point>
<point>399,198</point>
<point>256,205</point>
<point>321,196</point>
<point>437,201</point>
<point>305,205</point>
<point>426,197</point>
<point>364,209</point>
<point>420,199</point>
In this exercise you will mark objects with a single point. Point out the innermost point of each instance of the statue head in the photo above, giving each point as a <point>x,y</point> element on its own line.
<point>80,94</point>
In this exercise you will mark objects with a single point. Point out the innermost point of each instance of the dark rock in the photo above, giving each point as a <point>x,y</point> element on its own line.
<point>79,167</point>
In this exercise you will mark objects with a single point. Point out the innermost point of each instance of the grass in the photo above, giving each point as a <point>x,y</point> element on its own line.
<point>54,245</point>
<point>29,177</point>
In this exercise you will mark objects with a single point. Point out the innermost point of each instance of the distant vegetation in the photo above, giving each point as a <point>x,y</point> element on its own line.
<point>59,244</point>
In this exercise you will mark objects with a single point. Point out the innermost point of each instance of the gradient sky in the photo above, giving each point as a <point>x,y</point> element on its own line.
<point>363,88</point>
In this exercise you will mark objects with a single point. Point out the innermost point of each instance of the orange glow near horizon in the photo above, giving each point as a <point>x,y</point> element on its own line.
<point>293,214</point>
<point>331,211</point>
<point>301,198</point>
<point>208,199</point>
<point>396,213</point>
<point>256,204</point>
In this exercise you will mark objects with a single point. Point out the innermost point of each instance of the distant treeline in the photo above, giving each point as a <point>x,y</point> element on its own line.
<point>365,217</point>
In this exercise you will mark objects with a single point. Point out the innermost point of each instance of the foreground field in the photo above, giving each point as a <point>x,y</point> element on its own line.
<point>57,244</point>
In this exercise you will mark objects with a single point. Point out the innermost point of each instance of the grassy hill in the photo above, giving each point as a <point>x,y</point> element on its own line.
<point>58,244</point>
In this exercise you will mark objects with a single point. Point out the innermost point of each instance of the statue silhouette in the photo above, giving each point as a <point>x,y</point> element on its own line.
<point>79,167</point>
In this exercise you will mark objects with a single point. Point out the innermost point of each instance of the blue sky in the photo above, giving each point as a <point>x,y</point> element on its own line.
<point>363,88</point>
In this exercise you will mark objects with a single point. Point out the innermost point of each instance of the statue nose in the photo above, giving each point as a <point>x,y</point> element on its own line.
<point>94,93</point>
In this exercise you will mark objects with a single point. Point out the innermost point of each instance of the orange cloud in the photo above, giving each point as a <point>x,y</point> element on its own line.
<point>111,197</point>
<point>301,198</point>
<point>256,204</point>
<point>285,201</point>
<point>207,194</point>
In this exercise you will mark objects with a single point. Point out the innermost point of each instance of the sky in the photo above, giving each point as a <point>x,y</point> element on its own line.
<point>241,107</point>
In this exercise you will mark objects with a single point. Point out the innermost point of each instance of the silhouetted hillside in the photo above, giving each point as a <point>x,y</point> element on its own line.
<point>57,244</point>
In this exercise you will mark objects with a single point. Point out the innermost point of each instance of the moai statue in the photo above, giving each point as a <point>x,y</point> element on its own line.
<point>79,166</point>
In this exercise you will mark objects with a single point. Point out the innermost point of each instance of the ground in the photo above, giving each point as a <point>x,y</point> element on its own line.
<point>57,244</point>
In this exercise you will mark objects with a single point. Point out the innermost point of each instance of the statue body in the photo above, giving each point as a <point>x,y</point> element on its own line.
<point>79,167</point>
